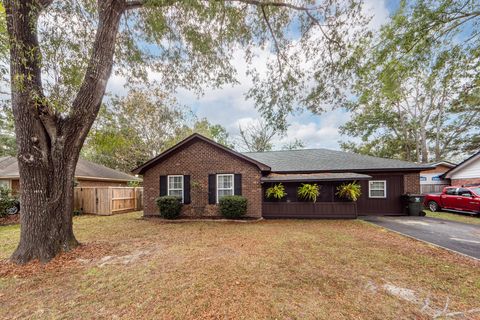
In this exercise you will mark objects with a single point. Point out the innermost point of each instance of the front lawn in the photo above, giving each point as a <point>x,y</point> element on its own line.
<point>305,269</point>
<point>459,217</point>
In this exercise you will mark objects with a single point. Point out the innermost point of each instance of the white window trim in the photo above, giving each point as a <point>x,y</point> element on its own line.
<point>9,182</point>
<point>168,184</point>
<point>233,183</point>
<point>384,188</point>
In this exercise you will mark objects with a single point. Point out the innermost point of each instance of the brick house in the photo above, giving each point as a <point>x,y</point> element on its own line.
<point>87,174</point>
<point>432,180</point>
<point>465,173</point>
<point>200,171</point>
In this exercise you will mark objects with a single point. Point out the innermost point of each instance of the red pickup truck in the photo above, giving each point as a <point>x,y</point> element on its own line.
<point>456,199</point>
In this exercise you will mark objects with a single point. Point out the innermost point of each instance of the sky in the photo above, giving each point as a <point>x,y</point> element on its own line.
<point>229,107</point>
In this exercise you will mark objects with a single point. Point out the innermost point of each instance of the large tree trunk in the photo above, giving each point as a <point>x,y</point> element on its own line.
<point>49,143</point>
<point>424,144</point>
<point>47,207</point>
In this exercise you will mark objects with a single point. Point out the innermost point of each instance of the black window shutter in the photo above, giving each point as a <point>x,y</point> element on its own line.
<point>163,186</point>
<point>237,184</point>
<point>186,189</point>
<point>212,189</point>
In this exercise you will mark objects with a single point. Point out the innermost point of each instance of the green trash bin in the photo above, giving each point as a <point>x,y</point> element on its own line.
<point>414,204</point>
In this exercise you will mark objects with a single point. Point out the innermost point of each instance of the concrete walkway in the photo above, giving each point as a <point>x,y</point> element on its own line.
<point>456,236</point>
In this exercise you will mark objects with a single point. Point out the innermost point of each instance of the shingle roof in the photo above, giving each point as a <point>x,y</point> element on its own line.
<point>326,176</point>
<point>323,160</point>
<point>85,169</point>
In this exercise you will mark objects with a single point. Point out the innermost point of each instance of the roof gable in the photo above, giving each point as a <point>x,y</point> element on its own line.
<point>144,167</point>
<point>446,164</point>
<point>463,164</point>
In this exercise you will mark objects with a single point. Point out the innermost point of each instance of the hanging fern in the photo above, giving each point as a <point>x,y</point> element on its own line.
<point>277,191</point>
<point>309,191</point>
<point>351,191</point>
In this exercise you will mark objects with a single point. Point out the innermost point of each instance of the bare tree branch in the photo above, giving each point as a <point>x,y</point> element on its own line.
<point>275,41</point>
<point>275,4</point>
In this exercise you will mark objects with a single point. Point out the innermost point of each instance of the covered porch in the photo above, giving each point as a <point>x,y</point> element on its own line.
<point>328,204</point>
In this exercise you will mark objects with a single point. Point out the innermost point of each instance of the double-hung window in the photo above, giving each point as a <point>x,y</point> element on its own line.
<point>5,184</point>
<point>175,186</point>
<point>224,185</point>
<point>377,189</point>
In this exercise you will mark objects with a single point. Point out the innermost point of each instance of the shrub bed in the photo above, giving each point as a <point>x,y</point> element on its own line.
<point>7,202</point>
<point>232,207</point>
<point>170,206</point>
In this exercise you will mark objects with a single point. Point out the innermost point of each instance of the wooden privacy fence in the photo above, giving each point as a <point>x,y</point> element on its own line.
<point>432,188</point>
<point>107,200</point>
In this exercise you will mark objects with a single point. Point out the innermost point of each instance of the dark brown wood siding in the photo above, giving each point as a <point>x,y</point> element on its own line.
<point>327,191</point>
<point>391,205</point>
<point>342,210</point>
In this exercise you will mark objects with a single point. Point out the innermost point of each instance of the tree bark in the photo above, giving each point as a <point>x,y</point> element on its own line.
<point>49,143</point>
<point>423,143</point>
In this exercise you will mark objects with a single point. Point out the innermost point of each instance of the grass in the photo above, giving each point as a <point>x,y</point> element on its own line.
<point>301,269</point>
<point>459,217</point>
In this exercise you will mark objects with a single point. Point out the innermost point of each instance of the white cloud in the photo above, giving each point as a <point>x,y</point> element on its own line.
<point>316,131</point>
<point>379,13</point>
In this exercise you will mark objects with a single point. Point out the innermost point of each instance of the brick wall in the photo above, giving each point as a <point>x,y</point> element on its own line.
<point>199,159</point>
<point>461,182</point>
<point>438,169</point>
<point>411,183</point>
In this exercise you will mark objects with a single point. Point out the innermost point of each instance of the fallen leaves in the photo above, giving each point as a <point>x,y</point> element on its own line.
<point>62,263</point>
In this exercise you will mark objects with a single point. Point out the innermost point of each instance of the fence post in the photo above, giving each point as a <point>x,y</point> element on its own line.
<point>135,196</point>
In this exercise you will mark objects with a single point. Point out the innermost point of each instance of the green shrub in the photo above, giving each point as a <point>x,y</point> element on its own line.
<point>309,191</point>
<point>7,201</point>
<point>350,191</point>
<point>277,191</point>
<point>133,184</point>
<point>170,206</point>
<point>233,206</point>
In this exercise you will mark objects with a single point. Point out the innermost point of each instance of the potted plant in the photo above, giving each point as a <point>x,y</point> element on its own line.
<point>277,192</point>
<point>350,191</point>
<point>309,191</point>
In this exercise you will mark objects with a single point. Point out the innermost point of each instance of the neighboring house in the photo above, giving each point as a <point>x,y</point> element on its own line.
<point>87,174</point>
<point>201,171</point>
<point>465,173</point>
<point>432,180</point>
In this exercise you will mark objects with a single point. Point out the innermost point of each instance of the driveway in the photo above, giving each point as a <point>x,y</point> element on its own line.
<point>456,236</point>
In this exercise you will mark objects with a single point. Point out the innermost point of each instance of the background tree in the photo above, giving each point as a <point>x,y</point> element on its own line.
<point>414,104</point>
<point>8,144</point>
<point>294,145</point>
<point>57,86</point>
<point>424,21</point>
<point>215,132</point>
<point>130,130</point>
<point>133,129</point>
<point>3,46</point>
<point>257,136</point>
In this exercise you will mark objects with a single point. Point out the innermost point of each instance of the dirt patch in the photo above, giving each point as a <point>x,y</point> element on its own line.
<point>61,263</point>
<point>9,220</point>
<point>424,305</point>
<point>117,260</point>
